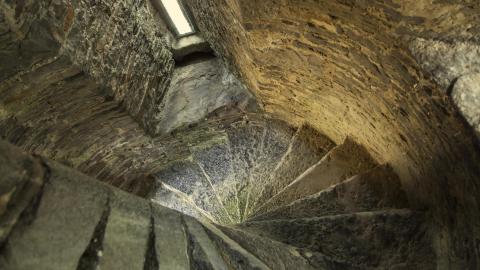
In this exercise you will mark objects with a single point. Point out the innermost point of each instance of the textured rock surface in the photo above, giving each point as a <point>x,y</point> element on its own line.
<point>201,243</point>
<point>51,235</point>
<point>170,239</point>
<point>236,257</point>
<point>278,255</point>
<point>231,160</point>
<point>466,95</point>
<point>447,61</point>
<point>340,163</point>
<point>306,148</point>
<point>109,228</point>
<point>197,89</point>
<point>126,233</point>
<point>376,189</point>
<point>355,239</point>
<point>75,222</point>
<point>345,67</point>
<point>60,112</point>
<point>118,43</point>
<point>22,179</point>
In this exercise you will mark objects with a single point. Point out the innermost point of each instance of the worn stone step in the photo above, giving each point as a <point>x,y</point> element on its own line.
<point>203,253</point>
<point>281,256</point>
<point>387,239</point>
<point>57,227</point>
<point>171,243</point>
<point>245,141</point>
<point>338,164</point>
<point>188,177</point>
<point>127,233</point>
<point>376,189</point>
<point>22,179</point>
<point>215,160</point>
<point>174,199</point>
<point>235,256</point>
<point>276,139</point>
<point>306,148</point>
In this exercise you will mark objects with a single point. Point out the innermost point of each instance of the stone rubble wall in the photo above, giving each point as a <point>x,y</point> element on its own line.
<point>346,68</point>
<point>118,43</point>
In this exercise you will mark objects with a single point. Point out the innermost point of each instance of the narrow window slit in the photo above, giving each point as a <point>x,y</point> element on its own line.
<point>178,16</point>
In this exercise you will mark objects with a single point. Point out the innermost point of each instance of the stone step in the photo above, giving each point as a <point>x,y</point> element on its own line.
<point>171,243</point>
<point>281,256</point>
<point>22,180</point>
<point>215,160</point>
<point>174,199</point>
<point>235,256</point>
<point>187,177</point>
<point>276,139</point>
<point>126,233</point>
<point>57,227</point>
<point>306,148</point>
<point>387,239</point>
<point>245,138</point>
<point>76,222</point>
<point>237,164</point>
<point>340,163</point>
<point>377,189</point>
<point>202,251</point>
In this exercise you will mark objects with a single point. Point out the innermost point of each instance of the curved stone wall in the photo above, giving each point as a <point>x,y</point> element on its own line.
<point>345,67</point>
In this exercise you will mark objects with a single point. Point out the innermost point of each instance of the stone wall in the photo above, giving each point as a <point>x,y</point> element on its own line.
<point>346,68</point>
<point>454,65</point>
<point>198,88</point>
<point>84,82</point>
<point>119,43</point>
<point>60,112</point>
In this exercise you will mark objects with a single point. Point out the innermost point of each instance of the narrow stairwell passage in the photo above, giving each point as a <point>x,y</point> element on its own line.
<point>335,208</point>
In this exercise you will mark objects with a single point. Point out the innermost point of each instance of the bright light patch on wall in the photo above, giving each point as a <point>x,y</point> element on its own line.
<point>177,16</point>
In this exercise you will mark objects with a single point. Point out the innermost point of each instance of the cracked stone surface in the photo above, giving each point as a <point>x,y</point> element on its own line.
<point>89,84</point>
<point>466,95</point>
<point>197,89</point>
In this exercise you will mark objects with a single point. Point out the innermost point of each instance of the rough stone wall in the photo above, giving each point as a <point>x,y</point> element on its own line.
<point>60,112</point>
<point>197,89</point>
<point>466,95</point>
<point>118,43</point>
<point>81,82</point>
<point>346,68</point>
<point>455,66</point>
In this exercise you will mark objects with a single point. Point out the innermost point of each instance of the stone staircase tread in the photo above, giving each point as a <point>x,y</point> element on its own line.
<point>171,242</point>
<point>339,164</point>
<point>169,197</point>
<point>306,148</point>
<point>376,189</point>
<point>280,255</point>
<point>199,238</point>
<point>188,178</point>
<point>49,234</point>
<point>276,139</point>
<point>126,233</point>
<point>356,238</point>
<point>245,139</point>
<point>235,255</point>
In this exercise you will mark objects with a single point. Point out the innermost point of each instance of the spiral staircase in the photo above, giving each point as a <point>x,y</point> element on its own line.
<point>254,193</point>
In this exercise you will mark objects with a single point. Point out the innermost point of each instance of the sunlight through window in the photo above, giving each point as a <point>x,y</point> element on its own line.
<point>177,16</point>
